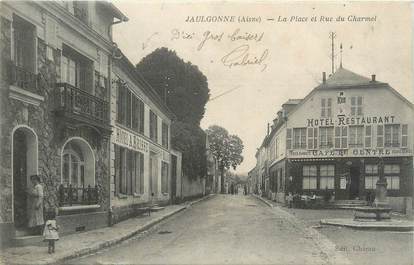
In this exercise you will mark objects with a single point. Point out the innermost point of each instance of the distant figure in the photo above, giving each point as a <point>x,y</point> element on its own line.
<point>36,220</point>
<point>50,232</point>
<point>245,190</point>
<point>290,200</point>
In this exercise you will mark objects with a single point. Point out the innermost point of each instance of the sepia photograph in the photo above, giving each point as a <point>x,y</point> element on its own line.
<point>206,132</point>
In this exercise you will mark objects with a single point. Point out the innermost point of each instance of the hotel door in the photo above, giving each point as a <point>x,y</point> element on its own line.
<point>354,185</point>
<point>20,179</point>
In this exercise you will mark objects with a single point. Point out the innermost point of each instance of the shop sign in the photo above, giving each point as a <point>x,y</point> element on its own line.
<point>351,152</point>
<point>130,140</point>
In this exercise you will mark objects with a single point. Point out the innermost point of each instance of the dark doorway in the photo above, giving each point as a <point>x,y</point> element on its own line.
<point>354,185</point>
<point>20,179</point>
<point>173,178</point>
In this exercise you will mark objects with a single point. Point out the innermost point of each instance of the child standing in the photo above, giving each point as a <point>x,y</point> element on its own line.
<point>50,233</point>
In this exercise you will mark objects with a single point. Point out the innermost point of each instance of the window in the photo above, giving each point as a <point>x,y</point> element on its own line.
<point>76,69</point>
<point>130,109</point>
<point>380,136</point>
<point>368,136</point>
<point>80,10</point>
<point>24,44</point>
<point>129,171</point>
<point>371,176</point>
<point>356,106</point>
<point>341,139</point>
<point>164,177</point>
<point>299,138</point>
<point>165,135</point>
<point>327,174</point>
<point>309,177</point>
<point>101,85</point>
<point>404,135</point>
<point>326,107</point>
<point>312,138</point>
<point>356,136</point>
<point>73,168</point>
<point>326,137</point>
<point>153,126</point>
<point>288,138</point>
<point>392,135</point>
<point>392,175</point>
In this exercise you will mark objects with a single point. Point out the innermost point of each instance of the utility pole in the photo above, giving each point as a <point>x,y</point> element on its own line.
<point>332,36</point>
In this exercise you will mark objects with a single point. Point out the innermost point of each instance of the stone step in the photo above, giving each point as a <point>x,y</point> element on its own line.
<point>22,241</point>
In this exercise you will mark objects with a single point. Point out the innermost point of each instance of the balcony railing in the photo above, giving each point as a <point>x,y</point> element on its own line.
<point>23,78</point>
<point>76,101</point>
<point>70,195</point>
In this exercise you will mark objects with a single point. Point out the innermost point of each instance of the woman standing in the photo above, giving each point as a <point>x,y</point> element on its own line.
<point>36,220</point>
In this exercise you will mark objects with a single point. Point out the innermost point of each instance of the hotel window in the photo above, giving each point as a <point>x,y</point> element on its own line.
<point>355,136</point>
<point>309,177</point>
<point>404,135</point>
<point>153,126</point>
<point>312,138</point>
<point>327,176</point>
<point>356,106</point>
<point>392,175</point>
<point>299,138</point>
<point>341,137</point>
<point>368,136</point>
<point>137,114</point>
<point>380,136</point>
<point>392,135</point>
<point>129,171</point>
<point>289,138</point>
<point>371,176</point>
<point>130,109</point>
<point>165,135</point>
<point>24,44</point>
<point>326,137</point>
<point>164,177</point>
<point>326,107</point>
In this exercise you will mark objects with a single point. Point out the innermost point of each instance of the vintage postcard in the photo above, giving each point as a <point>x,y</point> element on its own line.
<point>206,132</point>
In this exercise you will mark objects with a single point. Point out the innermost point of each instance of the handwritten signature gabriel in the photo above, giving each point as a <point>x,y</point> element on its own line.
<point>241,56</point>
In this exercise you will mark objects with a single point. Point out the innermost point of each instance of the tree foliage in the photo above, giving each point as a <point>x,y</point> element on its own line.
<point>226,148</point>
<point>181,84</point>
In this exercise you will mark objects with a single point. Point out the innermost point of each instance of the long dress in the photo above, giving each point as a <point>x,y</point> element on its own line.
<point>50,231</point>
<point>36,215</point>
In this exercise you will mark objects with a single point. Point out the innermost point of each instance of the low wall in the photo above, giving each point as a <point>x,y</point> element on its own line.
<point>121,213</point>
<point>7,233</point>
<point>73,223</point>
<point>401,204</point>
<point>192,188</point>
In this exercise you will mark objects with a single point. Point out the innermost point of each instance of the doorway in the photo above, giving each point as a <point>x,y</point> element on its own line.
<point>354,185</point>
<point>24,148</point>
<point>173,178</point>
<point>153,161</point>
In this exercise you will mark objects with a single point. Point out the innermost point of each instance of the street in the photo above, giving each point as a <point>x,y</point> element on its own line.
<point>226,229</point>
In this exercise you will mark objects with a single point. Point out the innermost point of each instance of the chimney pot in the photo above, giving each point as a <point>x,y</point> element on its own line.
<point>323,77</point>
<point>373,78</point>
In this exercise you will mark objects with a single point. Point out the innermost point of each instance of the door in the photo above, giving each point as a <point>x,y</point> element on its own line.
<point>173,178</point>
<point>20,179</point>
<point>153,175</point>
<point>354,185</point>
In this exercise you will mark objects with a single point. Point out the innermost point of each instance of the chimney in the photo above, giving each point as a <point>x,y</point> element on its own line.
<point>372,78</point>
<point>323,77</point>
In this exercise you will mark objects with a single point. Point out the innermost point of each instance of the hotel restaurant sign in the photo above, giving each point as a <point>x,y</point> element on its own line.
<point>129,140</point>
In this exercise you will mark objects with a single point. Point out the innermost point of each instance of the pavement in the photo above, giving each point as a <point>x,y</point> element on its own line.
<point>359,246</point>
<point>227,229</point>
<point>80,244</point>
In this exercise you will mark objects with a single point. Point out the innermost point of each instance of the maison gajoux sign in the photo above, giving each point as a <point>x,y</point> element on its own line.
<point>130,140</point>
<point>351,152</point>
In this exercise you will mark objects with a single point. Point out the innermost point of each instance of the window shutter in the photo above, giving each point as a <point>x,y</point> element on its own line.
<point>117,169</point>
<point>289,138</point>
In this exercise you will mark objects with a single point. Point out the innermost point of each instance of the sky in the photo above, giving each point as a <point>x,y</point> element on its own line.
<point>269,52</point>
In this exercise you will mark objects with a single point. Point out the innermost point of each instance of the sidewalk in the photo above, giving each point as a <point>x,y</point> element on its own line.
<point>80,244</point>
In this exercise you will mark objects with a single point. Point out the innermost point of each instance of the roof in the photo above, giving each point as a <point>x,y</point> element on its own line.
<point>292,101</point>
<point>344,77</point>
<point>115,11</point>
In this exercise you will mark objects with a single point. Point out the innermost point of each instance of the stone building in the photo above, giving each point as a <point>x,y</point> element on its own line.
<point>55,110</point>
<point>344,135</point>
<point>143,165</point>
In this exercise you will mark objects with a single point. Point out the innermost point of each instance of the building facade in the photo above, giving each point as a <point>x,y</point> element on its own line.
<point>55,112</point>
<point>342,137</point>
<point>141,157</point>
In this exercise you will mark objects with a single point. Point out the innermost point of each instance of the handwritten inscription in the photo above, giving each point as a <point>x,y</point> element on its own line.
<point>241,56</point>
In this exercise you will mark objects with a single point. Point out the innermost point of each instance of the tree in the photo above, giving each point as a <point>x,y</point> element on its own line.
<point>181,84</point>
<point>226,149</point>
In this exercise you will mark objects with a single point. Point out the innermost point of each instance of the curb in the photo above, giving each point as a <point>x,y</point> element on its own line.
<point>112,242</point>
<point>263,200</point>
